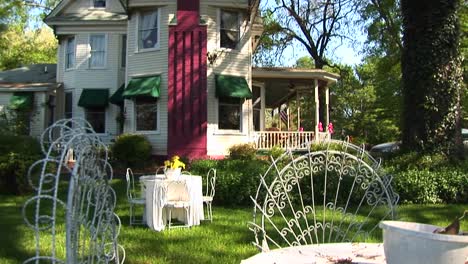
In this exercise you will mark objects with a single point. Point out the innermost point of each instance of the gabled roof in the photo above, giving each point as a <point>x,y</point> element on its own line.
<point>36,77</point>
<point>104,15</point>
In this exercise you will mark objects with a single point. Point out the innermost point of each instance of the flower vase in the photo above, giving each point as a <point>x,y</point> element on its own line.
<point>173,173</point>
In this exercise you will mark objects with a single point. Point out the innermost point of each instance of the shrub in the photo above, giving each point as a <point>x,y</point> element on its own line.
<point>236,180</point>
<point>17,153</point>
<point>130,150</point>
<point>429,179</point>
<point>242,152</point>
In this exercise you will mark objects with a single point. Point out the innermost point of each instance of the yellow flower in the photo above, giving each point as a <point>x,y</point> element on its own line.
<point>174,163</point>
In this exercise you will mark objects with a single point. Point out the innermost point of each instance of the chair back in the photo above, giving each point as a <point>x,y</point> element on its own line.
<point>211,183</point>
<point>331,192</point>
<point>177,190</point>
<point>131,192</point>
<point>91,226</point>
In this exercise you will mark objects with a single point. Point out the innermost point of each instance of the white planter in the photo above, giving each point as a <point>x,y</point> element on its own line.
<point>173,173</point>
<point>406,242</point>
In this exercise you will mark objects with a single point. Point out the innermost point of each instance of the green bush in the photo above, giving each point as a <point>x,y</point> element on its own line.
<point>426,179</point>
<point>236,180</point>
<point>17,153</point>
<point>242,152</point>
<point>130,150</point>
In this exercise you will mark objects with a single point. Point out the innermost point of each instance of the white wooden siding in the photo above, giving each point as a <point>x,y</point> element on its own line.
<point>85,6</point>
<point>82,77</point>
<point>230,62</point>
<point>150,63</point>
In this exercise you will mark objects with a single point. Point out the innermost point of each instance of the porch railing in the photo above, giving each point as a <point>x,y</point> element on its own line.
<point>282,139</point>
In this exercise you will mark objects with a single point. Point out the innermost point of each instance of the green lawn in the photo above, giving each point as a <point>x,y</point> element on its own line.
<point>226,240</point>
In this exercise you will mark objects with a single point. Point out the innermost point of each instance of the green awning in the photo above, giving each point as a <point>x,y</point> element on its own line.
<point>94,98</point>
<point>143,86</point>
<point>232,86</point>
<point>117,97</point>
<point>21,101</point>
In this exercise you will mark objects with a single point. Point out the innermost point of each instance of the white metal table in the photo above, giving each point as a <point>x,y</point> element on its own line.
<point>364,253</point>
<point>155,197</point>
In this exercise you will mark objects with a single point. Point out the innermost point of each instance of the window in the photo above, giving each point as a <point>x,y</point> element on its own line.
<point>97,118</point>
<point>70,53</point>
<point>99,3</point>
<point>68,105</point>
<point>97,57</point>
<point>229,29</point>
<point>123,52</point>
<point>146,109</point>
<point>229,114</point>
<point>148,30</point>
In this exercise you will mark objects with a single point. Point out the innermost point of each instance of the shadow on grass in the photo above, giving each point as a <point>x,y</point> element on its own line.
<point>12,228</point>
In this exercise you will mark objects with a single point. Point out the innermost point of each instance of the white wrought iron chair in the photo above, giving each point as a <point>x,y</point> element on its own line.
<point>210,192</point>
<point>133,198</point>
<point>334,194</point>
<point>177,197</point>
<point>91,226</point>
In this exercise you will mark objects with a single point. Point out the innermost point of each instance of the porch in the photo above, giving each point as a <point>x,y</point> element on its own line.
<point>264,140</point>
<point>290,107</point>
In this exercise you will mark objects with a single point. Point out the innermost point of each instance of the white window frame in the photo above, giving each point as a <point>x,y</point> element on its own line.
<point>66,60</point>
<point>137,30</point>
<point>218,30</point>
<point>105,51</point>
<point>99,7</point>
<point>158,115</point>
<point>241,121</point>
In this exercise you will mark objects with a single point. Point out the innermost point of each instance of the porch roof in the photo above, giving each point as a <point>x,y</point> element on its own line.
<point>281,84</point>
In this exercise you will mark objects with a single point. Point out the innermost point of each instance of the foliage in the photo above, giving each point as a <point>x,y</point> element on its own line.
<point>17,153</point>
<point>242,152</point>
<point>22,47</point>
<point>430,178</point>
<point>16,122</point>
<point>309,25</point>
<point>432,76</point>
<point>275,152</point>
<point>130,150</point>
<point>236,180</point>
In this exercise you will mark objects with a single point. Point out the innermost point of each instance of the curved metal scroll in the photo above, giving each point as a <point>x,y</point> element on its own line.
<point>87,211</point>
<point>332,194</point>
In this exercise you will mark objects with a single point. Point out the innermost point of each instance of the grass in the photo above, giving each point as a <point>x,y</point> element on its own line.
<point>226,240</point>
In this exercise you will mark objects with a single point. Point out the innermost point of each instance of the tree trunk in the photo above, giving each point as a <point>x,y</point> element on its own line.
<point>431,74</point>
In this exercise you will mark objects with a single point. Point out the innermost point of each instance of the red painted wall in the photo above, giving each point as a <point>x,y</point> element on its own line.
<point>187,89</point>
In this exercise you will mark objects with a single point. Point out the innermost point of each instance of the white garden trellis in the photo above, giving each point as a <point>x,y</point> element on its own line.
<point>87,214</point>
<point>332,193</point>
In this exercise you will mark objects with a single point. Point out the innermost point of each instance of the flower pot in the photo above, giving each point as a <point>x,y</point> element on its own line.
<point>173,173</point>
<point>407,242</point>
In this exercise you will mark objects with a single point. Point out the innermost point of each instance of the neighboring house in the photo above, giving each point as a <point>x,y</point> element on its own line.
<point>179,71</point>
<point>33,90</point>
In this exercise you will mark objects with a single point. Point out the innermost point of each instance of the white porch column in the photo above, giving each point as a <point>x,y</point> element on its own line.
<point>317,108</point>
<point>298,111</point>
<point>327,102</point>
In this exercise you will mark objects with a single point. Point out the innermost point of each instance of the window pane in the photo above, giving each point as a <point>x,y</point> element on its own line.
<point>124,51</point>
<point>99,3</point>
<point>98,51</point>
<point>97,118</point>
<point>229,29</point>
<point>229,114</point>
<point>68,105</point>
<point>146,114</point>
<point>148,30</point>
<point>70,53</point>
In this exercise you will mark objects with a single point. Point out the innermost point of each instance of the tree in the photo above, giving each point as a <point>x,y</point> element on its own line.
<point>21,40</point>
<point>432,75</point>
<point>311,25</point>
<point>18,47</point>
